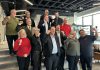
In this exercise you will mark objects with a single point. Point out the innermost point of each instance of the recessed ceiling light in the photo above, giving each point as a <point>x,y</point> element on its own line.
<point>66,11</point>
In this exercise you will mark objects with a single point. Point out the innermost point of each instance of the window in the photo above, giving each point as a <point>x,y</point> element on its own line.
<point>87,20</point>
<point>79,21</point>
<point>96,21</point>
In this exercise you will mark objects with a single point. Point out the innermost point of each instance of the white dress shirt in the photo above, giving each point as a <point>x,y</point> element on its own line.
<point>55,49</point>
<point>46,25</point>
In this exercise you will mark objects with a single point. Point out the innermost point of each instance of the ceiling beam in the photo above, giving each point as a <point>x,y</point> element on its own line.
<point>73,6</point>
<point>70,3</point>
<point>63,3</point>
<point>53,9</point>
<point>40,1</point>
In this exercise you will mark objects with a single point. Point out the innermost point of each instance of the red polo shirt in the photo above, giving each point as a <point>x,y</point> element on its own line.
<point>66,28</point>
<point>24,48</point>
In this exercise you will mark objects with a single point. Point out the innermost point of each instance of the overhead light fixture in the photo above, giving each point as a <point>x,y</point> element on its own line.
<point>20,10</point>
<point>20,15</point>
<point>66,11</point>
<point>96,4</point>
<point>29,2</point>
<point>80,8</point>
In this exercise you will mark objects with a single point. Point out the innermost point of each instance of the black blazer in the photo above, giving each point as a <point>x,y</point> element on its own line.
<point>36,44</point>
<point>63,38</point>
<point>48,47</point>
<point>57,21</point>
<point>41,26</point>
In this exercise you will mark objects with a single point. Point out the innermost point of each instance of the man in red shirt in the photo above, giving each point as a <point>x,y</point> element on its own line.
<point>65,27</point>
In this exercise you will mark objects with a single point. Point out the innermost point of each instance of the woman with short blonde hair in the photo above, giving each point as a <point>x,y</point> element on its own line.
<point>22,47</point>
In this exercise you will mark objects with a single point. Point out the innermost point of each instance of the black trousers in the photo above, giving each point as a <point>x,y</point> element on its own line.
<point>36,60</point>
<point>23,62</point>
<point>52,62</point>
<point>72,62</point>
<point>61,59</point>
<point>86,62</point>
<point>10,39</point>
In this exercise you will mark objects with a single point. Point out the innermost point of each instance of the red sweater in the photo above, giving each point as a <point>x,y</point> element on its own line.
<point>24,48</point>
<point>66,28</point>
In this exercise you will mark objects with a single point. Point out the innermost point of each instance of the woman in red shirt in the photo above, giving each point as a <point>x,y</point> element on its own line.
<point>22,47</point>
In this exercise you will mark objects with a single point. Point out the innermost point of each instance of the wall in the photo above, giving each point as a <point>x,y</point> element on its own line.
<point>1,26</point>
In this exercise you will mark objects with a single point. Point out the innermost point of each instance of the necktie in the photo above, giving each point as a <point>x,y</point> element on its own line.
<point>30,28</point>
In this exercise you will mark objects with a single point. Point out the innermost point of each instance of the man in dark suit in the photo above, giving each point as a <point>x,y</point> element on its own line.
<point>51,49</point>
<point>28,28</point>
<point>62,37</point>
<point>57,20</point>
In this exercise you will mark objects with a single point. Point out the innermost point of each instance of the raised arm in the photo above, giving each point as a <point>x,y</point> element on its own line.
<point>4,22</point>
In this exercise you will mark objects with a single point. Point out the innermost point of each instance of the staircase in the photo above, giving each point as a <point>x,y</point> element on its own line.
<point>7,62</point>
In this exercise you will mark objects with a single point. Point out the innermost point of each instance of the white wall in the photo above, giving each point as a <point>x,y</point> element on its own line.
<point>1,26</point>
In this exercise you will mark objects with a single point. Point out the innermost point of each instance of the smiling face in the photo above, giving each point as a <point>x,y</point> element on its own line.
<point>82,33</point>
<point>22,33</point>
<point>72,35</point>
<point>28,22</point>
<point>52,30</point>
<point>58,28</point>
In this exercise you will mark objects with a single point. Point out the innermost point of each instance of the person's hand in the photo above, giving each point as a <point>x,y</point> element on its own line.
<point>25,55</point>
<point>63,32</point>
<point>37,35</point>
<point>20,23</point>
<point>20,41</point>
<point>48,32</point>
<point>94,30</point>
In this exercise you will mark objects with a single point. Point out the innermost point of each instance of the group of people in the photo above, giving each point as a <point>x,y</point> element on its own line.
<point>52,40</point>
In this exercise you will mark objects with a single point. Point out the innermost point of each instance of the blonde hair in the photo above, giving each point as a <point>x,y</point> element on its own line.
<point>22,30</point>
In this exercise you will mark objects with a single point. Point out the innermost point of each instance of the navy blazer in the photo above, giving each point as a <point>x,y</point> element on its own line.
<point>42,28</point>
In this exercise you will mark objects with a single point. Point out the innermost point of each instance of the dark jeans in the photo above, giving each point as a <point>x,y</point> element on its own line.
<point>51,62</point>
<point>86,62</point>
<point>23,62</point>
<point>61,59</point>
<point>36,60</point>
<point>10,39</point>
<point>72,62</point>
